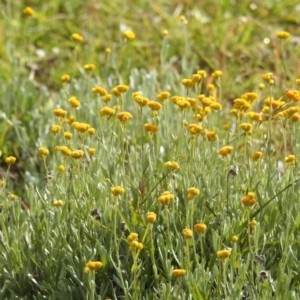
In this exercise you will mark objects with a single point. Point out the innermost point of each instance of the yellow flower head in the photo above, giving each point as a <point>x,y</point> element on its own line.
<point>117,190</point>
<point>77,37</point>
<point>91,151</point>
<point>10,160</point>
<point>163,96</point>
<point>211,136</point>
<point>94,265</point>
<point>55,129</point>
<point>65,78</point>
<point>13,197</point>
<point>282,34</point>
<point>44,151</point>
<point>268,78</point>
<point>99,90</point>
<point>172,165</point>
<point>129,35</point>
<point>122,88</point>
<point>195,129</point>
<point>249,200</point>
<point>132,237</point>
<point>74,102</point>
<point>187,83</point>
<point>107,50</point>
<point>225,150</point>
<point>200,228</point>
<point>28,11</point>
<point>246,126</point>
<point>61,168</point>
<point>202,73</point>
<point>91,131</point>
<point>77,154</point>
<point>178,272</point>
<point>187,233</point>
<point>165,198</point>
<point>290,159</point>
<point>192,193</point>
<point>216,106</point>
<point>60,112</point>
<point>253,223</point>
<point>223,254</point>
<point>124,116</point>
<point>154,105</point>
<point>89,67</point>
<point>151,217</point>
<point>256,155</point>
<point>182,103</point>
<point>68,135</point>
<point>217,74</point>
<point>234,239</point>
<point>57,203</point>
<point>107,111</point>
<point>151,128</point>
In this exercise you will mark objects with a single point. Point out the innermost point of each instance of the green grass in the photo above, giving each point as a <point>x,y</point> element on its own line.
<point>45,248</point>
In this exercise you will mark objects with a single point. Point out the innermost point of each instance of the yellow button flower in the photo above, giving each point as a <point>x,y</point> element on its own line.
<point>200,228</point>
<point>10,160</point>
<point>117,190</point>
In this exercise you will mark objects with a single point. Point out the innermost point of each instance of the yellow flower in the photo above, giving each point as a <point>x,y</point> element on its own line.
<point>68,135</point>
<point>77,154</point>
<point>151,128</point>
<point>89,67</point>
<point>77,37</point>
<point>60,112</point>
<point>200,228</point>
<point>107,98</point>
<point>28,11</point>
<point>187,233</point>
<point>151,217</point>
<point>196,78</point>
<point>268,78</point>
<point>91,151</point>
<point>44,151</point>
<point>226,127</point>
<point>154,105</point>
<point>210,87</point>
<point>82,127</point>
<point>129,35</point>
<point>117,190</point>
<point>256,155</point>
<point>74,102</point>
<point>94,265</point>
<point>192,193</point>
<point>250,96</point>
<point>10,160</point>
<point>163,96</point>
<point>183,20</point>
<point>187,83</point>
<point>182,103</point>
<point>13,197</point>
<point>211,136</point>
<point>216,106</point>
<point>253,223</point>
<point>290,159</point>
<point>55,129</point>
<point>172,165</point>
<point>249,200</point>
<point>122,88</point>
<point>165,198</point>
<point>57,203</point>
<point>140,100</point>
<point>223,254</point>
<point>132,237</point>
<point>65,150</point>
<point>65,78</point>
<point>294,95</point>
<point>61,168</point>
<point>91,131</point>
<point>107,50</point>
<point>225,150</point>
<point>254,116</point>
<point>246,126</point>
<point>234,239</point>
<point>282,34</point>
<point>202,73</point>
<point>178,272</point>
<point>195,129</point>
<point>98,90</point>
<point>107,111</point>
<point>124,116</point>
<point>217,74</point>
